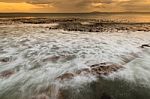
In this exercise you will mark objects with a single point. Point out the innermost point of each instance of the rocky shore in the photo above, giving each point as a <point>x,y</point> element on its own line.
<point>102,27</point>
<point>86,25</point>
<point>46,64</point>
<point>102,69</point>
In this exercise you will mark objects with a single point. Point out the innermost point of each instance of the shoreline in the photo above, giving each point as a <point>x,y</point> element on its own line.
<point>43,63</point>
<point>83,25</point>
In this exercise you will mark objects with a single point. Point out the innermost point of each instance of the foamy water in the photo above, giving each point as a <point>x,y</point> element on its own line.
<point>37,56</point>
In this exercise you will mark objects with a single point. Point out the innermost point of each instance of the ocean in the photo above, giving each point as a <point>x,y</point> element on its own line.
<point>125,17</point>
<point>32,57</point>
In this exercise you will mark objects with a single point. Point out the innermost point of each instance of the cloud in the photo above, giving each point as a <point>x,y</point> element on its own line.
<point>135,5</point>
<point>39,1</point>
<point>12,1</point>
<point>87,5</point>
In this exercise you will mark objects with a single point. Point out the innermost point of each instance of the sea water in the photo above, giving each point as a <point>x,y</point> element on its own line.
<point>37,56</point>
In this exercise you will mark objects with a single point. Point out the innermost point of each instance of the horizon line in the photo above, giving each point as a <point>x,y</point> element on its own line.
<point>65,12</point>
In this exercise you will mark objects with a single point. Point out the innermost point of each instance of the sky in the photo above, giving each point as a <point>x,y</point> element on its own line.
<point>74,6</point>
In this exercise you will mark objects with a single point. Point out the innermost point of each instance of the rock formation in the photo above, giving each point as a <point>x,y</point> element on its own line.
<point>96,69</point>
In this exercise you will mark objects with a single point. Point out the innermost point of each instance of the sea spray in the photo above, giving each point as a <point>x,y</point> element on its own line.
<point>137,70</point>
<point>38,58</point>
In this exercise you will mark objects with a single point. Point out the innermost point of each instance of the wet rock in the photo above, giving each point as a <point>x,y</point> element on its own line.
<point>145,45</point>
<point>98,27</point>
<point>24,40</point>
<point>55,47</point>
<point>61,58</point>
<point>96,69</point>
<point>104,68</point>
<point>65,58</point>
<point>52,59</point>
<point>66,76</point>
<point>61,94</point>
<point>83,71</point>
<point>6,59</point>
<point>127,59</point>
<point>77,24</point>
<point>7,73</point>
<point>41,96</point>
<point>106,96</point>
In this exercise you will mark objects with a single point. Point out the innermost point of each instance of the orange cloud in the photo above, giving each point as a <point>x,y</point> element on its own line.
<point>74,5</point>
<point>16,7</point>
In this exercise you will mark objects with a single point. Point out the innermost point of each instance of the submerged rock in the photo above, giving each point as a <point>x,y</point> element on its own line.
<point>61,58</point>
<point>52,58</point>
<point>6,59</point>
<point>96,70</point>
<point>66,76</point>
<point>41,96</point>
<point>6,74</point>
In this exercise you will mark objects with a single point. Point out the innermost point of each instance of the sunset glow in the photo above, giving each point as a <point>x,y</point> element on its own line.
<point>16,7</point>
<point>74,6</point>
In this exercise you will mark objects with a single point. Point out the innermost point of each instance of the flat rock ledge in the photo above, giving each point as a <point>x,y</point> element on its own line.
<point>102,69</point>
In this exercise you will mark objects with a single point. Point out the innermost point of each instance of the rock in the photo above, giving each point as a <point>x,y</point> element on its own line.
<point>104,68</point>
<point>66,76</point>
<point>96,69</point>
<point>65,58</point>
<point>106,96</point>
<point>61,58</point>
<point>6,73</point>
<point>6,59</point>
<point>145,45</point>
<point>52,58</point>
<point>127,59</point>
<point>41,96</point>
<point>83,71</point>
<point>77,24</point>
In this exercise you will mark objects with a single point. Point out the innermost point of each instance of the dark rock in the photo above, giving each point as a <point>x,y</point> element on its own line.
<point>5,59</point>
<point>145,45</point>
<point>106,96</point>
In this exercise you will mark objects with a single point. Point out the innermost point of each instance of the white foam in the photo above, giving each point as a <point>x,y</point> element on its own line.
<point>136,71</point>
<point>29,45</point>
